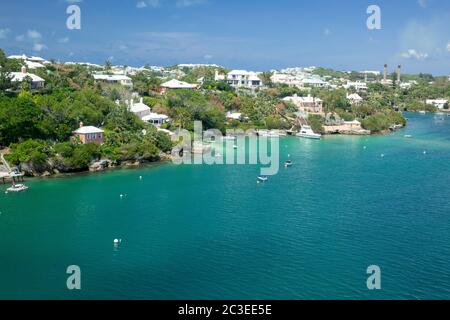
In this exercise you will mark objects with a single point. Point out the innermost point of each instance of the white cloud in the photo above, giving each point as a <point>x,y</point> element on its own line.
<point>208,57</point>
<point>39,47</point>
<point>448,46</point>
<point>64,40</point>
<point>148,3</point>
<point>74,1</point>
<point>4,33</point>
<point>20,38</point>
<point>33,34</point>
<point>327,32</point>
<point>190,3</point>
<point>423,3</point>
<point>413,53</point>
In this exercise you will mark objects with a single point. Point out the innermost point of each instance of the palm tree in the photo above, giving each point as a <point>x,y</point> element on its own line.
<point>108,65</point>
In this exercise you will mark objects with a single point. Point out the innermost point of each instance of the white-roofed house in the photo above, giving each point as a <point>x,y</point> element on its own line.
<point>88,134</point>
<point>240,78</point>
<point>438,103</point>
<point>309,104</point>
<point>156,119</point>
<point>175,84</point>
<point>36,82</point>
<point>354,98</point>
<point>33,65</point>
<point>358,85</point>
<point>120,79</point>
<point>18,57</point>
<point>234,116</point>
<point>140,109</point>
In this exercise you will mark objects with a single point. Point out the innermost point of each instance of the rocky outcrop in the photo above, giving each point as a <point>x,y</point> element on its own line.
<point>57,166</point>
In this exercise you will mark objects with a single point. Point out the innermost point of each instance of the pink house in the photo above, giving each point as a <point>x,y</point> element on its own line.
<point>89,134</point>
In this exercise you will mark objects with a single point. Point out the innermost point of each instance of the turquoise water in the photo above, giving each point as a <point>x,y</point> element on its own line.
<point>210,232</point>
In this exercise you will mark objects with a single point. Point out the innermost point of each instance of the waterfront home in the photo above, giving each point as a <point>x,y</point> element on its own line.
<point>89,134</point>
<point>438,103</point>
<point>156,119</point>
<point>240,78</point>
<point>176,85</point>
<point>308,105</point>
<point>140,109</point>
<point>115,78</point>
<point>354,98</point>
<point>36,82</point>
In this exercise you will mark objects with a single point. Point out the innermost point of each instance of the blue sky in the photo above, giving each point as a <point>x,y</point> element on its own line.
<point>251,34</point>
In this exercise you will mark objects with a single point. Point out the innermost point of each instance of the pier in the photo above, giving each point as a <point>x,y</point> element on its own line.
<point>6,173</point>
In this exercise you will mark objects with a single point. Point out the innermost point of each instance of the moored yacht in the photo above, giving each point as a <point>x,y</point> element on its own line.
<point>308,133</point>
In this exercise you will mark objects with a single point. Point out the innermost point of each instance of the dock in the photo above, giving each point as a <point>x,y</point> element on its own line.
<point>8,174</point>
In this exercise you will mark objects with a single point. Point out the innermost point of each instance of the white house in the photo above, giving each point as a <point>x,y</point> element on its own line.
<point>315,83</point>
<point>307,104</point>
<point>33,65</point>
<point>240,78</point>
<point>177,84</point>
<point>290,80</point>
<point>234,116</point>
<point>121,79</point>
<point>140,109</point>
<point>36,81</point>
<point>439,103</point>
<point>354,98</point>
<point>156,119</point>
<point>358,85</point>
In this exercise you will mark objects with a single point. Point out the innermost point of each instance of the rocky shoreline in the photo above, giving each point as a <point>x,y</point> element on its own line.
<point>54,168</point>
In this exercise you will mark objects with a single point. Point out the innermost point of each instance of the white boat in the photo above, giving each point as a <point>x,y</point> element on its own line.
<point>288,163</point>
<point>408,136</point>
<point>422,112</point>
<point>308,133</point>
<point>229,138</point>
<point>263,178</point>
<point>17,188</point>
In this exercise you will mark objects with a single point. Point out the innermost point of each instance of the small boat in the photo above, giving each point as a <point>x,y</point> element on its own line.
<point>235,146</point>
<point>262,179</point>
<point>308,133</point>
<point>229,138</point>
<point>17,188</point>
<point>408,136</point>
<point>422,112</point>
<point>288,163</point>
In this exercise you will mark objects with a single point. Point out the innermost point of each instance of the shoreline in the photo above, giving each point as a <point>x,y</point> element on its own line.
<point>165,159</point>
<point>69,175</point>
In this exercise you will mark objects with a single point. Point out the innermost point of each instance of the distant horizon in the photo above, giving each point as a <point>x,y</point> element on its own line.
<point>222,66</point>
<point>258,36</point>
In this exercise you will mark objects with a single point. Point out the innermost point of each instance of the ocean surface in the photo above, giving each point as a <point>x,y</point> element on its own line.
<point>212,232</point>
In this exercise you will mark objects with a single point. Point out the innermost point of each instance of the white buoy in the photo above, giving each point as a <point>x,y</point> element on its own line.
<point>365,147</point>
<point>424,152</point>
<point>140,177</point>
<point>116,241</point>
<point>121,196</point>
<point>382,155</point>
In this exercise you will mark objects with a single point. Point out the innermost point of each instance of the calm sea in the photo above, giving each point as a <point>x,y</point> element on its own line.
<point>212,232</point>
